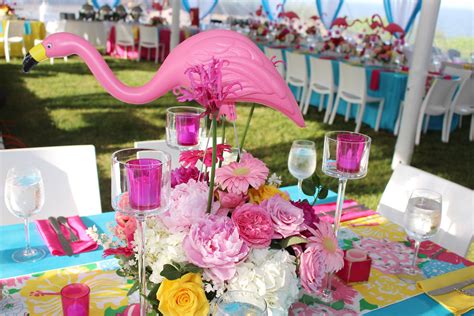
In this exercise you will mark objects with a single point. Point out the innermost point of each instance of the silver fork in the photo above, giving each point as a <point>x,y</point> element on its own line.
<point>72,236</point>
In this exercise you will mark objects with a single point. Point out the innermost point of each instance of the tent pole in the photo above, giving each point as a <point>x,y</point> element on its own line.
<point>416,82</point>
<point>174,40</point>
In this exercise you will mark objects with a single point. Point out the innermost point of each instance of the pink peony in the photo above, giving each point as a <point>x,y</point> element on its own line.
<point>288,220</point>
<point>255,225</point>
<point>188,204</point>
<point>231,200</point>
<point>214,243</point>
<point>237,177</point>
<point>183,175</point>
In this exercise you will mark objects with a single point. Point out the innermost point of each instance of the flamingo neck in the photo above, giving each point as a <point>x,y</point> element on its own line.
<point>102,72</point>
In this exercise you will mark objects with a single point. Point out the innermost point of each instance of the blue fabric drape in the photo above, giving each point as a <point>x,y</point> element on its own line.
<point>98,3</point>
<point>388,12</point>
<point>204,10</point>
<point>328,17</point>
<point>272,13</point>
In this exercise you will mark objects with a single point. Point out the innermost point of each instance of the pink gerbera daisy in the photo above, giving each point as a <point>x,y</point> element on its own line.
<point>325,242</point>
<point>189,158</point>
<point>237,177</point>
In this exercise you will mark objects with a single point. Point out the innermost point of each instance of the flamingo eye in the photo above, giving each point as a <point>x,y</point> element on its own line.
<point>49,46</point>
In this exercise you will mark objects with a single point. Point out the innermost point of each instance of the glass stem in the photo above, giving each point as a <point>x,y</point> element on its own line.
<point>27,251</point>
<point>213,166</point>
<point>415,255</point>
<point>326,293</point>
<point>341,191</point>
<point>300,185</point>
<point>141,264</point>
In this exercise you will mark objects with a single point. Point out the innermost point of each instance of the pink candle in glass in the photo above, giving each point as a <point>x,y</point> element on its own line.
<point>187,128</point>
<point>144,181</point>
<point>75,299</point>
<point>350,149</point>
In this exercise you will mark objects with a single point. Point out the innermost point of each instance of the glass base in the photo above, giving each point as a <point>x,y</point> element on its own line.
<point>410,275</point>
<point>326,296</point>
<point>33,255</point>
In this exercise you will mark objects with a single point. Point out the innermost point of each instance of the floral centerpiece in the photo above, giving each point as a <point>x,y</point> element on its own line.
<point>228,229</point>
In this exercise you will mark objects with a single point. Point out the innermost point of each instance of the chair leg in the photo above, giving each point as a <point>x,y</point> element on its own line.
<point>445,133</point>
<point>156,54</point>
<point>308,99</point>
<point>65,59</point>
<point>148,54</point>
<point>460,121</point>
<point>348,111</point>
<point>334,110</point>
<point>471,131</point>
<point>139,57</point>
<point>419,127</point>
<point>427,122</point>
<point>379,116</point>
<point>329,107</point>
<point>396,129</point>
<point>302,96</point>
<point>321,102</point>
<point>51,61</point>
<point>360,115</point>
<point>6,47</point>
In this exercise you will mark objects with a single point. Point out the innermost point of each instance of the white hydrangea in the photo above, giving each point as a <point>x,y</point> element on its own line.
<point>272,274</point>
<point>162,247</point>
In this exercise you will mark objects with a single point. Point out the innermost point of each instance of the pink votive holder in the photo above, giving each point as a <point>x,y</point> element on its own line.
<point>75,299</point>
<point>144,181</point>
<point>350,149</point>
<point>187,128</point>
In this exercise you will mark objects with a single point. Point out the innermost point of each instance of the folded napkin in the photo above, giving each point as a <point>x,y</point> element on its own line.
<point>84,244</point>
<point>326,214</point>
<point>455,302</point>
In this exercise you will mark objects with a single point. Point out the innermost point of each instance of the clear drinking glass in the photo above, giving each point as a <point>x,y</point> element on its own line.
<point>24,197</point>
<point>302,160</point>
<point>141,186</point>
<point>422,219</point>
<point>240,303</point>
<point>185,126</point>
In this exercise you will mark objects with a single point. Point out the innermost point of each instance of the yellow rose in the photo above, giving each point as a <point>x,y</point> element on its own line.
<point>183,297</point>
<point>265,192</point>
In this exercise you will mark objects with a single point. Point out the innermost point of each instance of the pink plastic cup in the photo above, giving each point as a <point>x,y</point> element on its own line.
<point>144,180</point>
<point>75,299</point>
<point>187,128</point>
<point>350,149</point>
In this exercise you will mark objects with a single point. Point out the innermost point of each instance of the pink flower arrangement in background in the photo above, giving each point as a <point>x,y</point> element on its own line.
<point>238,177</point>
<point>254,224</point>
<point>288,219</point>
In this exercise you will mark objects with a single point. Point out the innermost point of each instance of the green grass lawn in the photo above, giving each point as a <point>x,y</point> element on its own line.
<point>62,104</point>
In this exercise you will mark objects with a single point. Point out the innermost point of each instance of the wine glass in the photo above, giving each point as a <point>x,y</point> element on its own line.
<point>24,197</point>
<point>422,219</point>
<point>141,186</point>
<point>302,160</point>
<point>240,303</point>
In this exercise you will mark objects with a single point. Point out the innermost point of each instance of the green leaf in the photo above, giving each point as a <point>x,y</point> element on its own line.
<point>308,187</point>
<point>275,244</point>
<point>133,288</point>
<point>338,305</point>
<point>112,312</point>
<point>189,267</point>
<point>309,300</point>
<point>152,294</point>
<point>120,273</point>
<point>422,255</point>
<point>323,193</point>
<point>37,275</point>
<point>292,240</point>
<point>364,305</point>
<point>13,291</point>
<point>316,180</point>
<point>170,272</point>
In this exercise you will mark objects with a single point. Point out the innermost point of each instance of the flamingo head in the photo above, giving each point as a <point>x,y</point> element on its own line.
<point>54,45</point>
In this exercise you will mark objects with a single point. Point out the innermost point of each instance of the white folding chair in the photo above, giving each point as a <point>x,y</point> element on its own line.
<point>124,36</point>
<point>174,152</point>
<point>463,104</point>
<point>71,184</point>
<point>463,74</point>
<point>436,103</point>
<point>297,74</point>
<point>353,90</point>
<point>276,54</point>
<point>322,82</point>
<point>150,38</point>
<point>457,218</point>
<point>13,34</point>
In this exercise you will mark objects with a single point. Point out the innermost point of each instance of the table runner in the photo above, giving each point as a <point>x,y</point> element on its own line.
<point>386,243</point>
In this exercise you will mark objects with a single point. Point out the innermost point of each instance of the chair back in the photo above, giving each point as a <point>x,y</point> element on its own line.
<point>71,184</point>
<point>124,34</point>
<point>276,54</point>
<point>465,95</point>
<point>453,53</point>
<point>457,218</point>
<point>14,29</point>
<point>440,93</point>
<point>322,72</point>
<point>463,74</point>
<point>352,80</point>
<point>149,35</point>
<point>296,67</point>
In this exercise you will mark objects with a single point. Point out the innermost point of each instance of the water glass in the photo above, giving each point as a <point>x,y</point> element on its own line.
<point>24,197</point>
<point>185,126</point>
<point>422,219</point>
<point>75,299</point>
<point>302,160</point>
<point>240,303</point>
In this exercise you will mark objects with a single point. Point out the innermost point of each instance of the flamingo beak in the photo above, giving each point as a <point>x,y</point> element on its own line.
<point>35,55</point>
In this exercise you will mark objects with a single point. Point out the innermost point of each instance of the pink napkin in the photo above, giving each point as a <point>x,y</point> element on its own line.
<point>84,244</point>
<point>347,215</point>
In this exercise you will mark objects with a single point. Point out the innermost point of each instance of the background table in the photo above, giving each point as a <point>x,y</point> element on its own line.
<point>33,30</point>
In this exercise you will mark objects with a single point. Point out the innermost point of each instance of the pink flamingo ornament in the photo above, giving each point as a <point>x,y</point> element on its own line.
<point>261,83</point>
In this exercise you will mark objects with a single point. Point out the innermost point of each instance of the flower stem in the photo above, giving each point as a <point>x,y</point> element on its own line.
<point>213,167</point>
<point>247,127</point>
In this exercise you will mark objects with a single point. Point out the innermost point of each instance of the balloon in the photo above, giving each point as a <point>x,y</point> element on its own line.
<point>261,83</point>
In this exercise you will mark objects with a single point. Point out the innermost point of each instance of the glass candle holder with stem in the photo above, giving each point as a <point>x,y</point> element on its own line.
<point>345,156</point>
<point>302,160</point>
<point>24,197</point>
<point>422,219</point>
<point>185,126</point>
<point>141,186</point>
<point>233,303</point>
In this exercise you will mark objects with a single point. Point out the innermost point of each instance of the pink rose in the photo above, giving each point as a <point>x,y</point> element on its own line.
<point>126,227</point>
<point>288,219</point>
<point>231,200</point>
<point>214,243</point>
<point>254,224</point>
<point>311,269</point>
